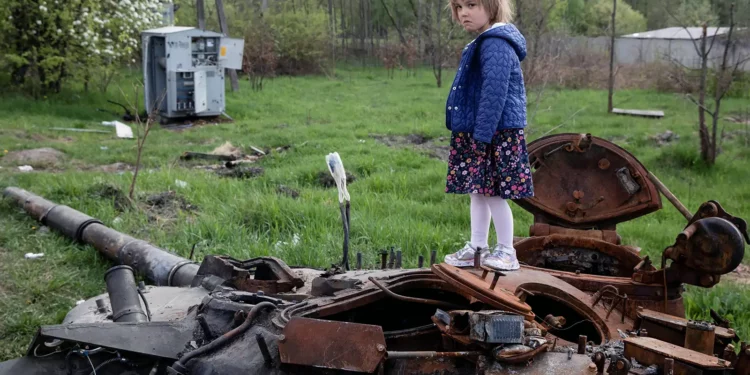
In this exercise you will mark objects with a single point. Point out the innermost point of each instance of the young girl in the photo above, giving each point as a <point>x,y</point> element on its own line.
<point>486,112</point>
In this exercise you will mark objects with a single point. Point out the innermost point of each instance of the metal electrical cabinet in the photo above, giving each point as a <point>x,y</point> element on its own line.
<point>183,70</point>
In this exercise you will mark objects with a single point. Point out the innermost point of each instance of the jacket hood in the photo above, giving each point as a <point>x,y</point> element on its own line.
<point>510,34</point>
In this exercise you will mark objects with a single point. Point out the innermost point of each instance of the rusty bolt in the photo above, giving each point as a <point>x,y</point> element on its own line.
<point>604,164</point>
<point>381,347</point>
<point>592,367</point>
<point>620,365</point>
<point>577,194</point>
<point>571,206</point>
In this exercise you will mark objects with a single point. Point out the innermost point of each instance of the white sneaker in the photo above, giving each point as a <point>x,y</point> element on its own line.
<point>464,257</point>
<point>502,258</point>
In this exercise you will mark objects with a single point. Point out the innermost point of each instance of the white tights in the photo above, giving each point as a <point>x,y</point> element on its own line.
<point>482,209</point>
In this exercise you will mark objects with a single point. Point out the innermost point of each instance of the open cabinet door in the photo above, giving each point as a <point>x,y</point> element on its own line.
<point>230,54</point>
<point>199,94</point>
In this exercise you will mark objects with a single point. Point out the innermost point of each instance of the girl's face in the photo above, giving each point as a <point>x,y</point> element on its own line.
<point>472,16</point>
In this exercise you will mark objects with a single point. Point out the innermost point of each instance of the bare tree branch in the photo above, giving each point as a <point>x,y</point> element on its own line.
<point>393,20</point>
<point>563,123</point>
<point>679,21</point>
<point>713,39</point>
<point>688,96</point>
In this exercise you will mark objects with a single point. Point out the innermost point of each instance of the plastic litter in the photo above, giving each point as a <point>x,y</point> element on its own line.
<point>123,131</point>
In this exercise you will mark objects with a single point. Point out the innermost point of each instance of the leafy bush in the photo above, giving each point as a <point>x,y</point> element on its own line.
<point>46,41</point>
<point>301,41</point>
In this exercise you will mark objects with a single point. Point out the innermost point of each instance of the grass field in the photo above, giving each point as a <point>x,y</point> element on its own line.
<point>398,197</point>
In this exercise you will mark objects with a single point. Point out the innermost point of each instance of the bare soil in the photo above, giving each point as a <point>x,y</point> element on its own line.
<point>741,275</point>
<point>112,193</point>
<point>437,148</point>
<point>166,205</point>
<point>39,158</point>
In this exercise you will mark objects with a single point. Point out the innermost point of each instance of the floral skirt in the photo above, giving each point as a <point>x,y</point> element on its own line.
<point>504,172</point>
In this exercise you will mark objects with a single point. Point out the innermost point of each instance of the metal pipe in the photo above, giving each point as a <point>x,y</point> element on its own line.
<point>123,295</point>
<point>670,197</point>
<point>157,265</point>
<point>425,301</point>
<point>403,355</point>
<point>264,349</point>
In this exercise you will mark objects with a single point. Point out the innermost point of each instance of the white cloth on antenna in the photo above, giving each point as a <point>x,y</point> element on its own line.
<point>336,167</point>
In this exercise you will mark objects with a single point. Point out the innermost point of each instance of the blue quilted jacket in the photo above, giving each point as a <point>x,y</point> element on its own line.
<point>488,92</point>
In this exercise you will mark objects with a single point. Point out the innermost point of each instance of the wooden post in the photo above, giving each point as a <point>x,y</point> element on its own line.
<point>612,59</point>
<point>200,10</point>
<point>225,31</point>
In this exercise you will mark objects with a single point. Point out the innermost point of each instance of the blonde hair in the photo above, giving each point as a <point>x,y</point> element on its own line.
<point>498,10</point>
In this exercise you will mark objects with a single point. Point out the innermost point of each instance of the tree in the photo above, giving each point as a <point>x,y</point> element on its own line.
<point>696,12</point>
<point>724,77</point>
<point>592,17</point>
<point>47,41</point>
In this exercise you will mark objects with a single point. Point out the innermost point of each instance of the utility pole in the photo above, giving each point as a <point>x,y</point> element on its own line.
<point>225,31</point>
<point>612,59</point>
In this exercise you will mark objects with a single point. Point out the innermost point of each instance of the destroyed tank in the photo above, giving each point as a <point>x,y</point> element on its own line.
<point>582,302</point>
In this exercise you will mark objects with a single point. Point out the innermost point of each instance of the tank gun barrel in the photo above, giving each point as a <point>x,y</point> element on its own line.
<point>157,265</point>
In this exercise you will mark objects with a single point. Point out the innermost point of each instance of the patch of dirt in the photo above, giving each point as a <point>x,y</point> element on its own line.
<point>665,138</point>
<point>114,168</point>
<point>241,172</point>
<point>326,180</point>
<point>739,118</point>
<point>194,122</point>
<point>283,190</point>
<point>112,193</point>
<point>38,158</point>
<point>437,148</point>
<point>741,275</point>
<point>166,205</point>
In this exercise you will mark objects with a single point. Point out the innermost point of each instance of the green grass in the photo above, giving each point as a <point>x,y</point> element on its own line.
<point>398,197</point>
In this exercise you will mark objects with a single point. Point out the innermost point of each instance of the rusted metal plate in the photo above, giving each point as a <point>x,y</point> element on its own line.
<point>573,253</point>
<point>581,181</point>
<point>332,345</point>
<point>541,229</point>
<point>549,287</point>
<point>679,324</point>
<point>650,351</point>
<point>672,329</point>
<point>499,297</point>
<point>267,274</point>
